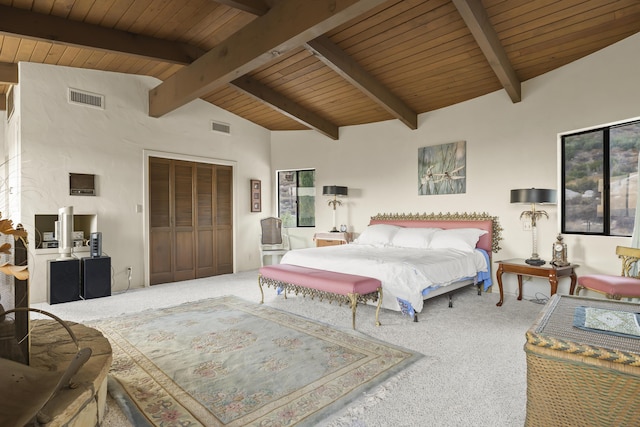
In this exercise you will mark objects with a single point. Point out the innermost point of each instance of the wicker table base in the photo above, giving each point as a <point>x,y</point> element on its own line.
<point>577,377</point>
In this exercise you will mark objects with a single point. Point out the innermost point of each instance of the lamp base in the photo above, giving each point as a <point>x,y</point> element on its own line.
<point>535,261</point>
<point>334,230</point>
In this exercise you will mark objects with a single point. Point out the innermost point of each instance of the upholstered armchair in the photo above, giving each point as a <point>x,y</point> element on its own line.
<point>627,285</point>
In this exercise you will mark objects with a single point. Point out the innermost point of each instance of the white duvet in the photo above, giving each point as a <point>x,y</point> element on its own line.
<point>404,273</point>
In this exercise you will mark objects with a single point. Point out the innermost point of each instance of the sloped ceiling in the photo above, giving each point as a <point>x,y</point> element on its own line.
<point>319,64</point>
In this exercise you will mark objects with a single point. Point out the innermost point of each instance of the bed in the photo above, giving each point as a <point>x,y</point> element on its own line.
<point>416,257</point>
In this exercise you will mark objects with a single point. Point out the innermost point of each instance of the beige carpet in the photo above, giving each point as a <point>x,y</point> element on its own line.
<point>473,372</point>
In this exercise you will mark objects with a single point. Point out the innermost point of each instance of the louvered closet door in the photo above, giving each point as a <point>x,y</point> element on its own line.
<point>224,220</point>
<point>161,230</point>
<point>191,220</point>
<point>214,226</point>
<point>204,226</point>
<point>184,230</point>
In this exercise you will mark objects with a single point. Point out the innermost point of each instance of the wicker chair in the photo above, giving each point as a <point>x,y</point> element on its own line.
<point>627,285</point>
<point>274,241</point>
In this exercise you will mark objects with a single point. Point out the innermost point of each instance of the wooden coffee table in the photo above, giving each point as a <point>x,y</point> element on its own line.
<point>521,268</point>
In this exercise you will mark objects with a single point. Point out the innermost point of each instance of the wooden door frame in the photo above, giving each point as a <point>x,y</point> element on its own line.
<point>145,208</point>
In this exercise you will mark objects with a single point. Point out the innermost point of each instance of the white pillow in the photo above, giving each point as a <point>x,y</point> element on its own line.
<point>409,237</point>
<point>377,235</point>
<point>464,239</point>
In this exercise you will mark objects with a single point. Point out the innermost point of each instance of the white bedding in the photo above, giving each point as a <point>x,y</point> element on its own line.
<point>404,272</point>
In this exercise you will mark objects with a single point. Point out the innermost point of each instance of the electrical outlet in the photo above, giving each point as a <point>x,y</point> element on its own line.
<point>129,272</point>
<point>526,225</point>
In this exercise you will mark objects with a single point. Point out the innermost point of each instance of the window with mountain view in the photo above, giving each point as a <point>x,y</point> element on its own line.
<point>600,180</point>
<point>297,198</point>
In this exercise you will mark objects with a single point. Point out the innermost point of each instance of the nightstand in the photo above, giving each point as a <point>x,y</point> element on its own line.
<point>521,268</point>
<point>332,239</point>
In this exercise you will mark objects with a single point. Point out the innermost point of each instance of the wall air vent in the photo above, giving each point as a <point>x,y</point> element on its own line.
<point>80,97</point>
<point>220,127</point>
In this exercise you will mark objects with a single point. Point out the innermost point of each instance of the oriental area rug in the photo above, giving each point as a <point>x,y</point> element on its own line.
<point>229,362</point>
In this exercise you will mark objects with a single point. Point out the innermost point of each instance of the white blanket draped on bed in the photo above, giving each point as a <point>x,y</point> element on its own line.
<point>404,273</point>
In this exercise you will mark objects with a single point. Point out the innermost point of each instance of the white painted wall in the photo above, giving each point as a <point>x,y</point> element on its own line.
<point>9,184</point>
<point>11,179</point>
<point>508,146</point>
<point>58,138</point>
<point>3,121</point>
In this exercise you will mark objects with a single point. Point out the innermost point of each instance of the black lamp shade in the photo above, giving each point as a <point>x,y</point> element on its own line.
<point>334,190</point>
<point>533,195</point>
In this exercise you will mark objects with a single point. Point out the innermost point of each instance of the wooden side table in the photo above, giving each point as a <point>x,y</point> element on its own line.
<point>521,268</point>
<point>331,239</point>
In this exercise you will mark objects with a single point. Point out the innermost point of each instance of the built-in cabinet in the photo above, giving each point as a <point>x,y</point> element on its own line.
<point>191,220</point>
<point>45,226</point>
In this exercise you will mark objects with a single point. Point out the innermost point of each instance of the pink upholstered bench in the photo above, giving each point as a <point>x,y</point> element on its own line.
<point>627,285</point>
<point>341,287</point>
<point>614,287</point>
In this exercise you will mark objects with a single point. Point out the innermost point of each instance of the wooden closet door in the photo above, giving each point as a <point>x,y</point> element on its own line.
<point>224,220</point>
<point>184,230</point>
<point>161,230</point>
<point>205,233</point>
<point>191,220</point>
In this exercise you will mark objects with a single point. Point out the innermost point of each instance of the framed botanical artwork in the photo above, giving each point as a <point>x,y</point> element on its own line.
<point>442,169</point>
<point>256,195</point>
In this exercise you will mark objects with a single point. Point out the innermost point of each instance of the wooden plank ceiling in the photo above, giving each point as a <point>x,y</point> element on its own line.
<point>321,64</point>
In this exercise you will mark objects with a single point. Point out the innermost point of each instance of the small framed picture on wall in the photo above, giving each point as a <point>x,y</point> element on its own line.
<point>256,196</point>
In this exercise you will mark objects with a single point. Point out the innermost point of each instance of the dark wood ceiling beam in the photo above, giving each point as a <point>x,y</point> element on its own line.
<point>254,45</point>
<point>475,16</point>
<point>343,64</point>
<point>336,59</point>
<point>284,105</point>
<point>255,7</point>
<point>22,23</point>
<point>8,73</point>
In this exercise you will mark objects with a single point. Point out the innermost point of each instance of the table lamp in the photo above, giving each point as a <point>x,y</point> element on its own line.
<point>533,196</point>
<point>335,191</point>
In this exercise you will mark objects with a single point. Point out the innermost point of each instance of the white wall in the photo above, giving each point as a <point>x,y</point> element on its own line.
<point>508,146</point>
<point>57,138</point>
<point>9,195</point>
<point>3,120</point>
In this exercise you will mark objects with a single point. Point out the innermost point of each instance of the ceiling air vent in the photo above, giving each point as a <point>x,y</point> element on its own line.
<point>89,99</point>
<point>220,127</point>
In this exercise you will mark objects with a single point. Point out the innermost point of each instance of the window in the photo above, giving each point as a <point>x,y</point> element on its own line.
<point>297,198</point>
<point>600,180</point>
